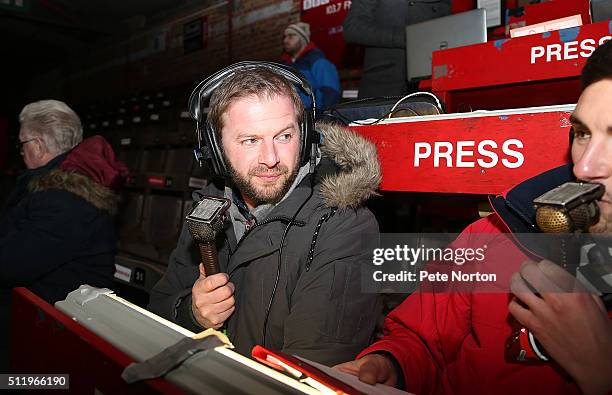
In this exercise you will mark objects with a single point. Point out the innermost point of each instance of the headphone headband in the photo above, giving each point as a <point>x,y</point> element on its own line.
<point>204,90</point>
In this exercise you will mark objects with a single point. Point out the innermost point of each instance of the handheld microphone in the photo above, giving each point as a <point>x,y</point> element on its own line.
<point>568,208</point>
<point>203,222</point>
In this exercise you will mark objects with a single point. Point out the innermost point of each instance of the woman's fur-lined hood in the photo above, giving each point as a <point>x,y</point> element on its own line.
<point>359,169</point>
<point>91,171</point>
<point>98,195</point>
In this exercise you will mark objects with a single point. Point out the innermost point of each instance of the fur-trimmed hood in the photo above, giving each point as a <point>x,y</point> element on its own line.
<point>359,172</point>
<point>91,171</point>
<point>81,185</point>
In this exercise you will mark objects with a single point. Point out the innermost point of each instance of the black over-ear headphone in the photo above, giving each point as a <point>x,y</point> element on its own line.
<point>211,148</point>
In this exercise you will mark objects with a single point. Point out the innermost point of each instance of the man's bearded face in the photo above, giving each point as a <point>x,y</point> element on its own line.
<point>592,146</point>
<point>261,145</point>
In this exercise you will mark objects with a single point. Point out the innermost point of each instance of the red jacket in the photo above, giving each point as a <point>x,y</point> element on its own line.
<point>454,342</point>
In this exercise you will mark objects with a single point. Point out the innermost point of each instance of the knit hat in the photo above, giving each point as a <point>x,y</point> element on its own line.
<point>302,29</point>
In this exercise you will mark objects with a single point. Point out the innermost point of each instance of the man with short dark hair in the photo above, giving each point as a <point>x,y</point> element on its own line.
<point>456,342</point>
<point>303,297</point>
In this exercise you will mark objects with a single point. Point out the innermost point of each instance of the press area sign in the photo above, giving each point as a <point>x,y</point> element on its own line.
<point>475,155</point>
<point>567,50</point>
<point>538,57</point>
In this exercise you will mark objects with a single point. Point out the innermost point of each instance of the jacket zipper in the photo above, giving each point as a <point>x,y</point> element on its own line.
<point>264,222</point>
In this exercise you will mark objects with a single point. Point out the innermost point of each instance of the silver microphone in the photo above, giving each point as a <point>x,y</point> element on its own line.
<point>203,222</point>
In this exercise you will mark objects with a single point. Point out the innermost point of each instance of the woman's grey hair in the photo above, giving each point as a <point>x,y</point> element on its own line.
<point>54,122</point>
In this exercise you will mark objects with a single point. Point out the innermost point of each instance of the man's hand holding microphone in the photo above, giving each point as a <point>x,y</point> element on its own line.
<point>212,299</point>
<point>212,295</point>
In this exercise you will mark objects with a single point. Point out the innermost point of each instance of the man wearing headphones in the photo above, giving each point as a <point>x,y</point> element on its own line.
<point>291,250</point>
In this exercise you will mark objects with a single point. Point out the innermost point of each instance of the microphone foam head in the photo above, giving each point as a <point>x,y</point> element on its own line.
<point>553,220</point>
<point>206,218</point>
<point>204,232</point>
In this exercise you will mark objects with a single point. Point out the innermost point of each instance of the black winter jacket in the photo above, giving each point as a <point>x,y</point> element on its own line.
<point>57,232</point>
<point>318,310</point>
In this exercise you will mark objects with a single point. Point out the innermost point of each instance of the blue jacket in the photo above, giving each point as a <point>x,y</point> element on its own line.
<point>320,72</point>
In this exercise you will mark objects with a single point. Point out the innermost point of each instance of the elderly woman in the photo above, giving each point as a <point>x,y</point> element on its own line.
<point>56,231</point>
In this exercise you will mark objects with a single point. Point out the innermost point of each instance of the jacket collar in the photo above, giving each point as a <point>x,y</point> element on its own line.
<point>289,59</point>
<point>21,188</point>
<point>52,164</point>
<point>282,213</point>
<point>264,239</point>
<point>515,207</point>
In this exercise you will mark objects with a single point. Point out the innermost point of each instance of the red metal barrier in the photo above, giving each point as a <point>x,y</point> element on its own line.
<point>535,70</point>
<point>475,155</point>
<point>46,341</point>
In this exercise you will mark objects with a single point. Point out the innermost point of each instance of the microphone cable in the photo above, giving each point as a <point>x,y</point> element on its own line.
<point>280,254</point>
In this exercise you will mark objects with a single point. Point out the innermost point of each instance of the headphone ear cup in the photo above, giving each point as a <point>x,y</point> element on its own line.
<point>216,154</point>
<point>307,136</point>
